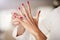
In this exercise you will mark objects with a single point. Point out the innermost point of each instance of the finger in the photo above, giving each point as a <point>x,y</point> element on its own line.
<point>19,11</point>
<point>37,15</point>
<point>15,22</point>
<point>14,12</point>
<point>20,17</point>
<point>24,23</point>
<point>14,15</point>
<point>25,12</point>
<point>21,21</point>
<point>15,19</point>
<point>29,12</point>
<point>29,9</point>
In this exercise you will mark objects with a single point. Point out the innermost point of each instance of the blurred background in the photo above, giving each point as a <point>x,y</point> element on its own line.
<point>7,6</point>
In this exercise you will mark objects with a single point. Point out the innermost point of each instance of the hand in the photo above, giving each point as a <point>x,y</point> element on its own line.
<point>15,22</point>
<point>30,23</point>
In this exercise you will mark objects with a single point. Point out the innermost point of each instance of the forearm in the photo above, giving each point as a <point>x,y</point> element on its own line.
<point>40,36</point>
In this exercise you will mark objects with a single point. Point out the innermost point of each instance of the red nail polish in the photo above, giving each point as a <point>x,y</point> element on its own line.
<point>19,8</point>
<point>28,2</point>
<point>15,14</point>
<point>21,17</point>
<point>22,4</point>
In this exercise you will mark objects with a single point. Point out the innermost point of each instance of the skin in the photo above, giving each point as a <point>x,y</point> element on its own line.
<point>15,22</point>
<point>28,22</point>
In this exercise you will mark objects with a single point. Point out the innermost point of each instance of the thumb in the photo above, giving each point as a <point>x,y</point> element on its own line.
<point>37,15</point>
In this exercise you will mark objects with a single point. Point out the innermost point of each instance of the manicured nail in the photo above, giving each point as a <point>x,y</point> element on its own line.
<point>15,14</point>
<point>19,8</point>
<point>20,17</point>
<point>28,2</point>
<point>22,4</point>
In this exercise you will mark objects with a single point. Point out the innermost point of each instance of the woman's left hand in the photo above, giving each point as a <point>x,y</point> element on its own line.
<point>29,23</point>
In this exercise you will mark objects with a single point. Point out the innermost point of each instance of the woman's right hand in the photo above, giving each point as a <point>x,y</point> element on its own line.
<point>15,22</point>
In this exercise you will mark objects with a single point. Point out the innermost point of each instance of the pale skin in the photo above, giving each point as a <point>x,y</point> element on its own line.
<point>28,22</point>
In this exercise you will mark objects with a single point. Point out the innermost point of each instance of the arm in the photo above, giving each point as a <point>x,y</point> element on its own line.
<point>40,36</point>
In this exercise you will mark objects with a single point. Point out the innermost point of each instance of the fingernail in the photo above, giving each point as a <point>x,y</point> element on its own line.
<point>20,17</point>
<point>15,14</point>
<point>28,2</point>
<point>22,4</point>
<point>19,8</point>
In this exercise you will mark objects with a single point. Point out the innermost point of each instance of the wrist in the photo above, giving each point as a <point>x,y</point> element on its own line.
<point>40,36</point>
